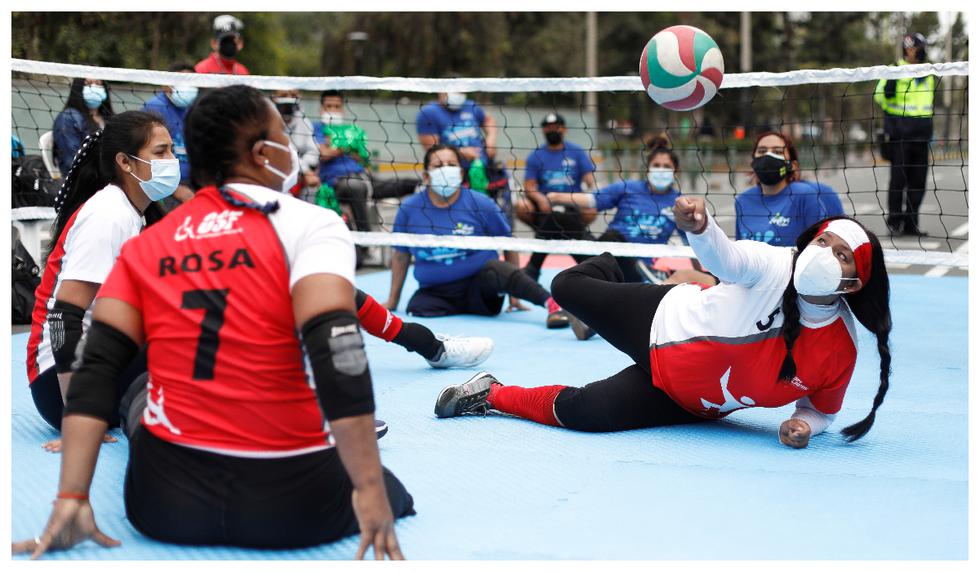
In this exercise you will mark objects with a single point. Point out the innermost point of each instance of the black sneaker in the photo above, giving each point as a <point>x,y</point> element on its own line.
<point>581,329</point>
<point>380,428</point>
<point>466,398</point>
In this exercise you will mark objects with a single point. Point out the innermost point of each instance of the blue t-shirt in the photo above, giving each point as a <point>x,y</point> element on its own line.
<point>460,128</point>
<point>777,219</point>
<point>342,165</point>
<point>641,215</point>
<point>828,198</point>
<point>173,116</point>
<point>558,170</point>
<point>473,214</point>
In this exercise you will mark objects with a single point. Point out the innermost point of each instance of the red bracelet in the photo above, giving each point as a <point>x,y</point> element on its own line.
<point>72,496</point>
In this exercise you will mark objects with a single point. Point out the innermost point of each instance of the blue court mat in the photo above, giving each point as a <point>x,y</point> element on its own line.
<point>505,488</point>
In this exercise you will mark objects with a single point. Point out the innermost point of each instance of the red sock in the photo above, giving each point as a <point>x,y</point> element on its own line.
<point>551,305</point>
<point>536,403</point>
<point>378,321</point>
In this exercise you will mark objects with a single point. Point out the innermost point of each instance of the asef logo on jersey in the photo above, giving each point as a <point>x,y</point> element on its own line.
<point>214,224</point>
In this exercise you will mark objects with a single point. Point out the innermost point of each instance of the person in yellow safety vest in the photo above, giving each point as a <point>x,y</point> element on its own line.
<point>907,104</point>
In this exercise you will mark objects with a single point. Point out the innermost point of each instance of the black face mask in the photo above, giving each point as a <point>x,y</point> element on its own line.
<point>287,110</point>
<point>770,170</point>
<point>227,47</point>
<point>553,137</point>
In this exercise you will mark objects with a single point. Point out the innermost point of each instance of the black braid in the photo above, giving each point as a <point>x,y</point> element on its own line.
<point>791,328</point>
<point>80,158</point>
<point>264,208</point>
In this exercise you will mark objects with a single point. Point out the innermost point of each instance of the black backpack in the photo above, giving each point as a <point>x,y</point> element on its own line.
<point>26,278</point>
<point>32,184</point>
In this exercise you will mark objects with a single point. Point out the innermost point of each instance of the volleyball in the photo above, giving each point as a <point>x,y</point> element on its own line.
<point>681,68</point>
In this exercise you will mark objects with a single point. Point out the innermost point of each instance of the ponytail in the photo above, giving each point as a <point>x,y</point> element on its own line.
<point>83,180</point>
<point>264,208</point>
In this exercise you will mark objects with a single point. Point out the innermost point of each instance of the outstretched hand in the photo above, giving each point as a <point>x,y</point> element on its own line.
<point>71,522</point>
<point>690,214</point>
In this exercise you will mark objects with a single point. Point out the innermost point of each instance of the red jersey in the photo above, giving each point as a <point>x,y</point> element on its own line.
<point>213,282</point>
<point>217,64</point>
<point>85,251</point>
<point>718,350</point>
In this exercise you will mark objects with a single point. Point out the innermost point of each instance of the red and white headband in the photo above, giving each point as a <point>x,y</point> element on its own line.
<point>856,238</point>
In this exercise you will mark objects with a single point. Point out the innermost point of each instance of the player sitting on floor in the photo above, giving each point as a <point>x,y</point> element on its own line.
<point>778,329</point>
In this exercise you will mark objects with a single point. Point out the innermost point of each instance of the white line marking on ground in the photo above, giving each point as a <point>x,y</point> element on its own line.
<point>937,271</point>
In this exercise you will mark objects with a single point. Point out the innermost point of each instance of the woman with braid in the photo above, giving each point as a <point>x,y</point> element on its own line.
<point>256,427</point>
<point>107,198</point>
<point>778,329</point>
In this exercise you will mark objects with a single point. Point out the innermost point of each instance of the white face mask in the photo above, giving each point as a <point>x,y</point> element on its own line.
<point>288,179</point>
<point>817,272</point>
<point>183,95</point>
<point>331,118</point>
<point>660,178</point>
<point>164,178</point>
<point>93,95</point>
<point>455,99</point>
<point>444,181</point>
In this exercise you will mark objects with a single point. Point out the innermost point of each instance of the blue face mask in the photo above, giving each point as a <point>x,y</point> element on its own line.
<point>445,181</point>
<point>183,96</point>
<point>164,178</point>
<point>93,95</point>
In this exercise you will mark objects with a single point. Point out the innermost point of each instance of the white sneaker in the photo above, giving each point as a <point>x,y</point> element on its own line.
<point>462,352</point>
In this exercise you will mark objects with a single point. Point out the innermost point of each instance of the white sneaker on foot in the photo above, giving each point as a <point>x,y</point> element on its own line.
<point>462,351</point>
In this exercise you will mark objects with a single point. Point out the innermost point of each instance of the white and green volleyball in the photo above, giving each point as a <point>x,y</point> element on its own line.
<point>681,68</point>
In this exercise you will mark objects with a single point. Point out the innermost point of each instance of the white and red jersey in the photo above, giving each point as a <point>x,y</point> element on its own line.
<point>85,251</point>
<point>213,284</point>
<point>720,349</point>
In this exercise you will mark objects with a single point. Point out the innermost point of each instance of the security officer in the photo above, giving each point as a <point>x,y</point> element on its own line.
<point>908,107</point>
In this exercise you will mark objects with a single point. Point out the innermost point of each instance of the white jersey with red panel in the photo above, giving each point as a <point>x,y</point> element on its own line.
<point>720,349</point>
<point>213,282</point>
<point>85,251</point>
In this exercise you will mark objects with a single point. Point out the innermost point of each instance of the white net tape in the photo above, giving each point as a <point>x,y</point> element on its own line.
<point>958,258</point>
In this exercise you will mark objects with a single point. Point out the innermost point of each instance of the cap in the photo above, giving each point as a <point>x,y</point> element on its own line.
<point>553,118</point>
<point>226,25</point>
<point>915,40</point>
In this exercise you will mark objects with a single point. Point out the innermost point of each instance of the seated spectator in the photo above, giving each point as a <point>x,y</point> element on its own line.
<point>344,157</point>
<point>454,280</point>
<point>300,132</point>
<point>455,120</point>
<point>86,111</point>
<point>225,47</point>
<point>778,207</point>
<point>171,104</point>
<point>557,167</point>
<point>644,208</point>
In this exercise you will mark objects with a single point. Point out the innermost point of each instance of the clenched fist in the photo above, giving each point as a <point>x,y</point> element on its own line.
<point>690,214</point>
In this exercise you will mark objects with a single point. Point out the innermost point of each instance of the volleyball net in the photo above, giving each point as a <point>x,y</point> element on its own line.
<point>830,115</point>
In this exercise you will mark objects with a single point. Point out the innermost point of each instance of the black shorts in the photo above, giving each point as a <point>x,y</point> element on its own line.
<point>467,296</point>
<point>186,496</point>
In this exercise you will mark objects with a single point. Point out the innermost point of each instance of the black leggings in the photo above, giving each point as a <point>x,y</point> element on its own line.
<point>558,226</point>
<point>621,313</point>
<point>47,392</point>
<point>907,185</point>
<point>480,294</point>
<point>413,337</point>
<point>186,496</point>
<point>626,264</point>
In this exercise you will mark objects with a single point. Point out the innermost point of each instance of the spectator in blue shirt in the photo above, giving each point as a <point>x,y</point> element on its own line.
<point>778,207</point>
<point>557,166</point>
<point>644,208</point>
<point>455,120</point>
<point>86,111</point>
<point>172,103</point>
<point>455,280</point>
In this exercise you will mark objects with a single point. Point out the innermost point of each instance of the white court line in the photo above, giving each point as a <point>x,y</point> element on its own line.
<point>937,271</point>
